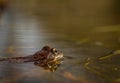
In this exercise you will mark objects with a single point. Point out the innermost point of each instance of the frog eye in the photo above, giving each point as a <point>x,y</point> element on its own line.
<point>54,50</point>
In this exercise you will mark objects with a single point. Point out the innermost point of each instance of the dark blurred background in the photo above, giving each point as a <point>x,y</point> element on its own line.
<point>80,28</point>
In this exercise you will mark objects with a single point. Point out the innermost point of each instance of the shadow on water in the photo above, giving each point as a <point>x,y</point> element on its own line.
<point>84,31</point>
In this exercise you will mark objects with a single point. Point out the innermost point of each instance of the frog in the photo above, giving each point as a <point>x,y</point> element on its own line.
<point>48,58</point>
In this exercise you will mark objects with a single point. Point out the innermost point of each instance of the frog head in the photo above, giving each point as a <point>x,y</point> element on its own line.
<point>49,58</point>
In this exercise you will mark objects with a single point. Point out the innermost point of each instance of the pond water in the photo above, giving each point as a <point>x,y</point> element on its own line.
<point>84,31</point>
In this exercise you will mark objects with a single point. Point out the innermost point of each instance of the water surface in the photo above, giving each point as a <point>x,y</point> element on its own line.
<point>75,27</point>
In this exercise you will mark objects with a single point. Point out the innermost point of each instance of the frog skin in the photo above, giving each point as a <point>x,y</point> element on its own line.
<point>48,58</point>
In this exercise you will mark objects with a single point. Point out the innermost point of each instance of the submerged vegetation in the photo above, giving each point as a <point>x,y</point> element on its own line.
<point>107,66</point>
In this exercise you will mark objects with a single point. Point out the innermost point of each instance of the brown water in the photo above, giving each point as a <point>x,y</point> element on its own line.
<point>81,29</point>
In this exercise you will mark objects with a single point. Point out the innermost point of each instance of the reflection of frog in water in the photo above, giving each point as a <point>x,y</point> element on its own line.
<point>48,58</point>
